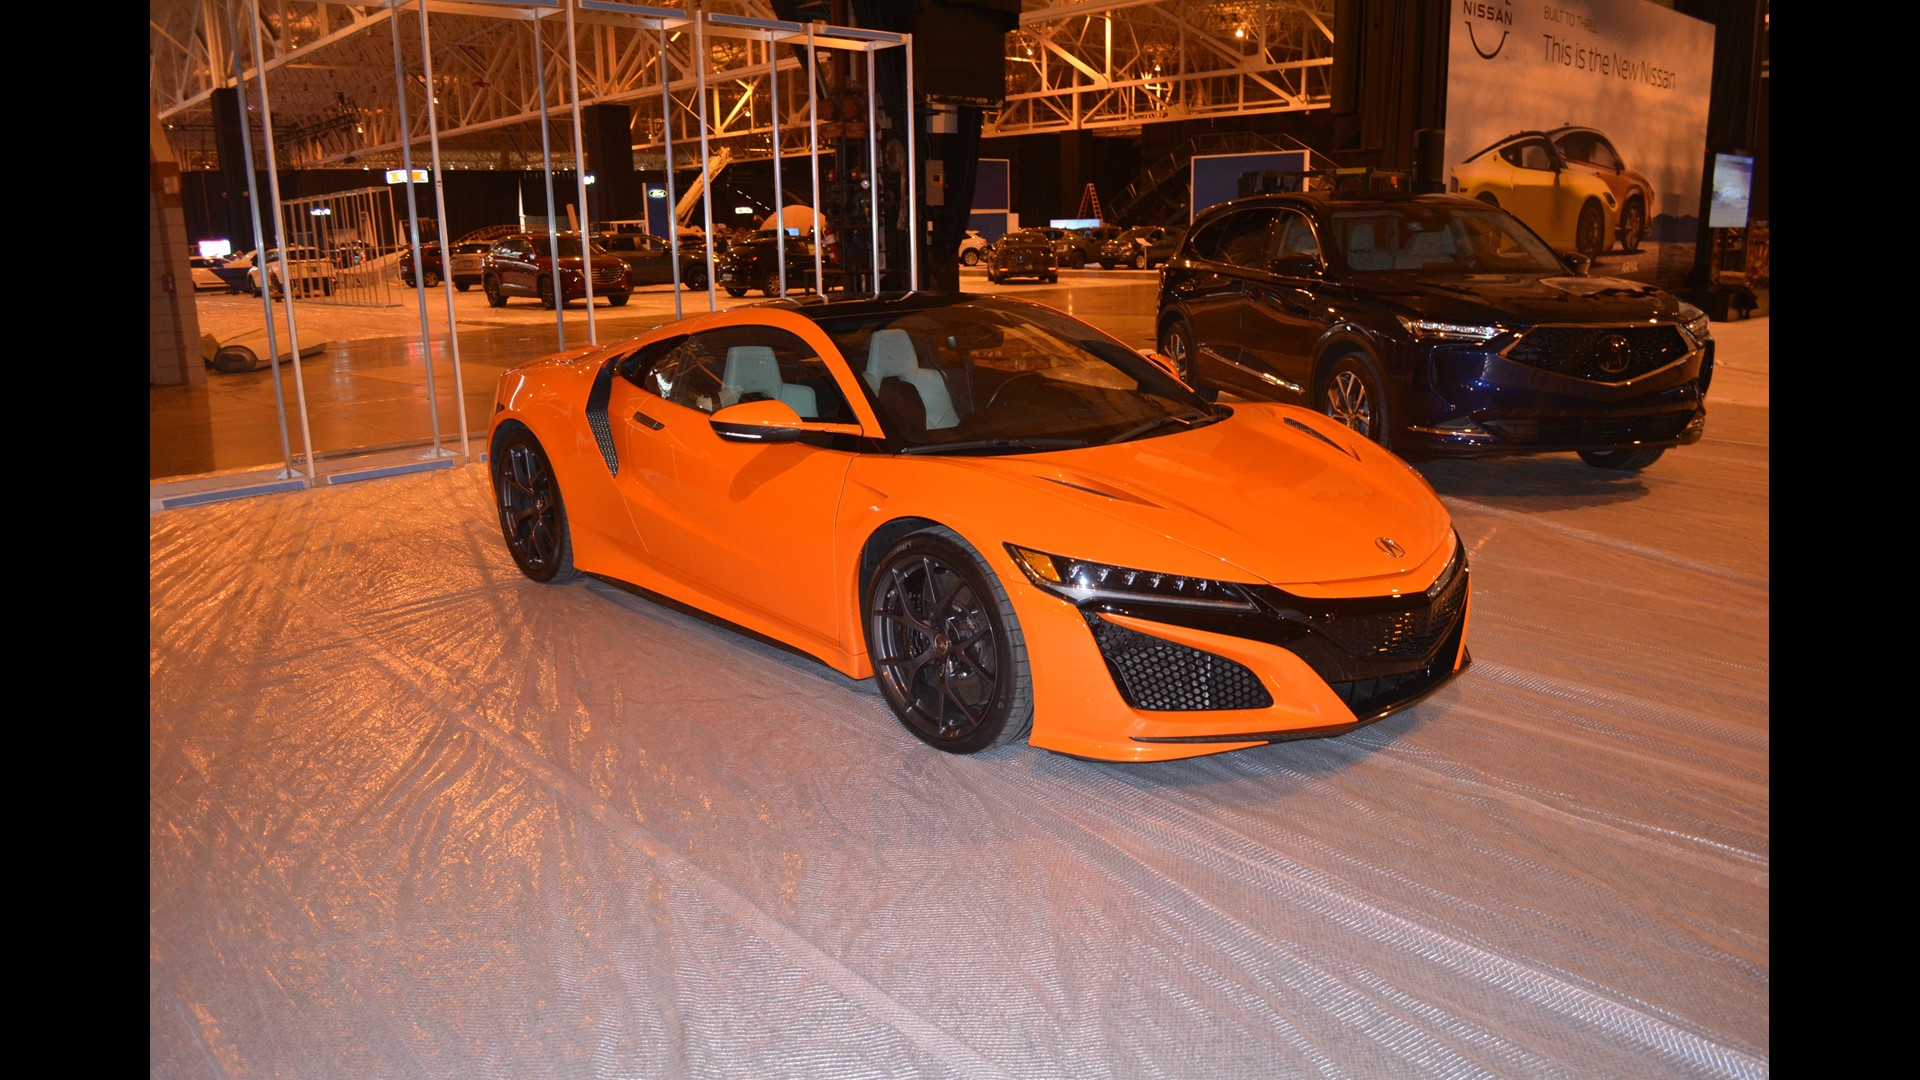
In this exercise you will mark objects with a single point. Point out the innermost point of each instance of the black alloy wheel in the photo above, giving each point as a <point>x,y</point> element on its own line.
<point>432,278</point>
<point>491,286</point>
<point>1353,394</point>
<point>947,649</point>
<point>533,520</point>
<point>735,292</point>
<point>545,288</point>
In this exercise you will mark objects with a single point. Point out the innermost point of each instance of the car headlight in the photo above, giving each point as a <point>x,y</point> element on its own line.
<point>1081,580</point>
<point>1695,322</point>
<point>1434,330</point>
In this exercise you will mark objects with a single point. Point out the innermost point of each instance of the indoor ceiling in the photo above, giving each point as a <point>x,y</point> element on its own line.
<point>346,85</point>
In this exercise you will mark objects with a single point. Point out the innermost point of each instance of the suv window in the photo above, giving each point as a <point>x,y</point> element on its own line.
<point>1242,238</point>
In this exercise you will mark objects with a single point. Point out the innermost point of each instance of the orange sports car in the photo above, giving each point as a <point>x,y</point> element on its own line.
<point>1017,525</point>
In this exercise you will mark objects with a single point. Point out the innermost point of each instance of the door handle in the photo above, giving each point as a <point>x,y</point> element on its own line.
<point>648,421</point>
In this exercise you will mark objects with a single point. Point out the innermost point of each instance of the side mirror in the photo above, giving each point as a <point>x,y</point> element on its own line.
<point>1295,265</point>
<point>770,421</point>
<point>1578,262</point>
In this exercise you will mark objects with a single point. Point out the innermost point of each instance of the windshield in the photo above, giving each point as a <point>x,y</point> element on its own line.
<point>993,375</point>
<point>1437,240</point>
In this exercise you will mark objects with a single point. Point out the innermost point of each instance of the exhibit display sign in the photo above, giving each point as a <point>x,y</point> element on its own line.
<point>1635,76</point>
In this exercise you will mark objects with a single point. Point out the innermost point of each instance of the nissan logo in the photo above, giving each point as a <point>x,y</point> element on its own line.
<point>1387,545</point>
<point>1615,354</point>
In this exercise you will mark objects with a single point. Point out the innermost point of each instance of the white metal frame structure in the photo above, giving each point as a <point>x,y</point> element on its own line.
<point>697,49</point>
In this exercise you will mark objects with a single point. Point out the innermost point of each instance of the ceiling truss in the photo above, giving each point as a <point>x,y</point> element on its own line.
<point>347,85</point>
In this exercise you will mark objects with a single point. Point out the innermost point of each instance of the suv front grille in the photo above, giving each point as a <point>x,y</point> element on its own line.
<point>604,276</point>
<point>1605,354</point>
<point>1587,430</point>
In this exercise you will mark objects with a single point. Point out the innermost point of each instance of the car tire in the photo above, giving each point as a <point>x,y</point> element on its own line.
<point>1052,279</point>
<point>1353,393</point>
<point>970,258</point>
<point>233,359</point>
<point>1590,235</point>
<point>1633,223</point>
<point>1622,460</point>
<point>463,286</point>
<point>733,292</point>
<point>533,517</point>
<point>432,279</point>
<point>618,299</point>
<point>697,281</point>
<point>544,286</point>
<point>1076,261</point>
<point>491,286</point>
<point>1140,261</point>
<point>1106,264</point>
<point>771,285</point>
<point>1176,344</point>
<point>948,653</point>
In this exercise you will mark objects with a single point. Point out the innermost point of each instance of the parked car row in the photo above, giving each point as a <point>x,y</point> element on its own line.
<point>1141,247</point>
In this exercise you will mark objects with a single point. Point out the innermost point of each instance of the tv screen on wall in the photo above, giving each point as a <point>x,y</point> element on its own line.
<point>1732,186</point>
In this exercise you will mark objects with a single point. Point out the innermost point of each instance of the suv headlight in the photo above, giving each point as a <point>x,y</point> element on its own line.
<point>1081,580</point>
<point>1695,322</point>
<point>1435,330</point>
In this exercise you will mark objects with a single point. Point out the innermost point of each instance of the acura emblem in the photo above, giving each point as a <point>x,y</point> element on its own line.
<point>1387,545</point>
<point>1614,354</point>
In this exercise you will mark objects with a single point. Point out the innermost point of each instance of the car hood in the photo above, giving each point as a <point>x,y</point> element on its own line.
<point>1273,493</point>
<point>1528,298</point>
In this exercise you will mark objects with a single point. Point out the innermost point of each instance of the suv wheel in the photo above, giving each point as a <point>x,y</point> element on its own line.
<point>495,298</point>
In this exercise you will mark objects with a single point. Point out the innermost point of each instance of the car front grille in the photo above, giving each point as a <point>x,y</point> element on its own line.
<point>1393,633</point>
<point>1376,653</point>
<point>1164,676</point>
<point>1604,354</point>
<point>607,276</point>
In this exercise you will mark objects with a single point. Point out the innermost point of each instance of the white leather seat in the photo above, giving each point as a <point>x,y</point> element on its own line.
<point>890,355</point>
<point>753,369</point>
<point>1362,252</point>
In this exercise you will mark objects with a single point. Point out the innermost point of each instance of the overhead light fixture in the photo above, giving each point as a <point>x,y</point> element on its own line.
<point>399,176</point>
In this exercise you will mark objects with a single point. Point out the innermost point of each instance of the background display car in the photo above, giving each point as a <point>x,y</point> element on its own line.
<point>1078,247</point>
<point>206,274</point>
<point>1436,325</point>
<point>1017,525</point>
<point>1129,247</point>
<point>1525,174</point>
<point>973,248</point>
<point>754,263</point>
<point>1590,151</point>
<point>1023,253</point>
<point>308,268</point>
<point>469,264</point>
<point>522,264</point>
<point>1162,247</point>
<point>650,261</point>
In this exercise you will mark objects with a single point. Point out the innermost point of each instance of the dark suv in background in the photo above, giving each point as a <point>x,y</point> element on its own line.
<point>754,263</point>
<point>522,264</point>
<point>1435,325</point>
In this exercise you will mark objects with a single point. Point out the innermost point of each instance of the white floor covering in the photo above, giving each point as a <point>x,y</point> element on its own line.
<point>412,815</point>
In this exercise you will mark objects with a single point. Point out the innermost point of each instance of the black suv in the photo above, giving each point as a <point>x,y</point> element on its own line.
<point>754,263</point>
<point>1436,325</point>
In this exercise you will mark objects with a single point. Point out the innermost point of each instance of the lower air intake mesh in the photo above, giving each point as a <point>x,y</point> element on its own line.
<point>1163,676</point>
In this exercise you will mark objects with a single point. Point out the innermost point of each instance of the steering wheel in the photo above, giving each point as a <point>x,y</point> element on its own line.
<point>1002,388</point>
